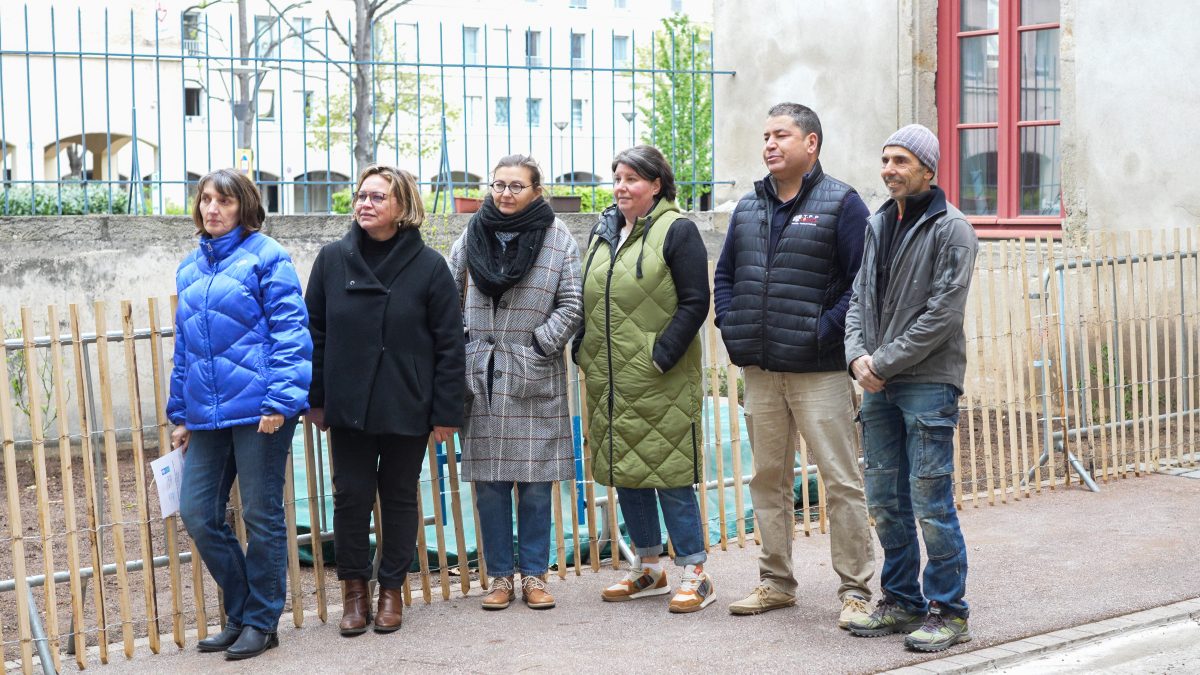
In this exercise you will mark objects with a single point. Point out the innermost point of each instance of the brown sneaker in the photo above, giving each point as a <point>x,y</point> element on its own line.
<point>356,607</point>
<point>638,583</point>
<point>502,594</point>
<point>695,591</point>
<point>533,591</point>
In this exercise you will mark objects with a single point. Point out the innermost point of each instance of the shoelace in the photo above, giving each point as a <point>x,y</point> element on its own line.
<point>934,622</point>
<point>634,575</point>
<point>881,608</point>
<point>503,583</point>
<point>857,604</point>
<point>529,583</point>
<point>690,583</point>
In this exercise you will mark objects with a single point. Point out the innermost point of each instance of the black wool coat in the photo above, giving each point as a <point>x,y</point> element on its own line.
<point>388,351</point>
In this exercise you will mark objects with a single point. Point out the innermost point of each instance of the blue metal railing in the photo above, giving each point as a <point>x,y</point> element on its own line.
<point>139,145</point>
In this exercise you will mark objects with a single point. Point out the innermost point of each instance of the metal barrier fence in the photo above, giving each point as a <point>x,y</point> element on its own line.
<point>112,112</point>
<point>1086,351</point>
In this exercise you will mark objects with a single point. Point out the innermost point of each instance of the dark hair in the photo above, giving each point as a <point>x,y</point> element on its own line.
<point>234,184</point>
<point>523,162</point>
<point>649,163</point>
<point>404,191</point>
<point>803,116</point>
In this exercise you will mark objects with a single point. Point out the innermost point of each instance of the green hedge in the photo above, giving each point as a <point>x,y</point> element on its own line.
<point>43,201</point>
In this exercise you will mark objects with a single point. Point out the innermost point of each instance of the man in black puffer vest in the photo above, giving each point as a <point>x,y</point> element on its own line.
<point>781,291</point>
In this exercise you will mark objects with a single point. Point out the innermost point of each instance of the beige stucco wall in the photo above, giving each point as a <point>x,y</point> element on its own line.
<point>866,68</point>
<point>1131,94</point>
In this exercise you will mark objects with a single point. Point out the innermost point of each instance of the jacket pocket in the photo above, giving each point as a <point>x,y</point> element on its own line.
<point>536,376</point>
<point>477,353</point>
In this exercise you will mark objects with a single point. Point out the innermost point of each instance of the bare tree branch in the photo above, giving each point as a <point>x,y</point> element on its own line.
<point>332,25</point>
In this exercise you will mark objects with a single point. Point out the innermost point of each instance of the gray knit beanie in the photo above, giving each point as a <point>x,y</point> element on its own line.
<point>920,141</point>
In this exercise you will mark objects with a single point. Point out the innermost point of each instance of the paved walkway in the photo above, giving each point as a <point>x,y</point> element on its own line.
<point>1054,561</point>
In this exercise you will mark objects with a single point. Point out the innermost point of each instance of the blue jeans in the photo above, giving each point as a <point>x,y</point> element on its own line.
<point>681,512</point>
<point>494,501</point>
<point>908,444</point>
<point>253,583</point>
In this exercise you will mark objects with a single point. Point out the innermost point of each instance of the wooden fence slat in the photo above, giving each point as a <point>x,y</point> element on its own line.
<point>1046,260</point>
<point>970,383</point>
<point>1116,361</point>
<point>1072,320</point>
<point>1097,338</point>
<point>1180,368</point>
<point>422,547</point>
<point>33,390</point>
<point>16,530</point>
<point>293,548</point>
<point>89,478</point>
<point>805,512</point>
<point>711,337</point>
<point>67,474</point>
<point>164,448</point>
<point>239,524</point>
<point>1153,291</point>
<point>460,539</point>
<point>1021,356</point>
<point>314,519</point>
<point>589,485</point>
<point>573,405</point>
<point>984,399</point>
<point>560,540</point>
<point>1031,269</point>
<point>714,386</point>
<point>822,504</point>
<point>1193,281</point>
<point>114,477</point>
<point>1009,346</point>
<point>993,342</point>
<point>483,573</point>
<point>1111,337</point>
<point>439,522</point>
<point>1136,343</point>
<point>735,447</point>
<point>139,476</point>
<point>614,531</point>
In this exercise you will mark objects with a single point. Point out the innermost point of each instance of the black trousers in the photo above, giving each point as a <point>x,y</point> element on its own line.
<point>363,463</point>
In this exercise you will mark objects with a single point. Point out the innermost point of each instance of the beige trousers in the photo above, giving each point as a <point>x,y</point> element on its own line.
<point>820,406</point>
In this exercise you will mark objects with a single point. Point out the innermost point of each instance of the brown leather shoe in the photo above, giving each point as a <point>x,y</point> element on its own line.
<point>391,607</point>
<point>356,607</point>
<point>533,591</point>
<point>502,594</point>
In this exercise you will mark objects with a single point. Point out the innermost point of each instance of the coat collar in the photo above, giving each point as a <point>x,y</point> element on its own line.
<point>766,188</point>
<point>217,249</point>
<point>360,278</point>
<point>611,221</point>
<point>937,207</point>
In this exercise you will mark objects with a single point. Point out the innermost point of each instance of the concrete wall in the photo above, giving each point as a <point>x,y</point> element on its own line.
<point>1130,92</point>
<point>866,68</point>
<point>83,259</point>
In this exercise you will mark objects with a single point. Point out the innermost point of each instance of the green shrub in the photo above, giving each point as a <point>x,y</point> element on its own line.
<point>342,202</point>
<point>44,200</point>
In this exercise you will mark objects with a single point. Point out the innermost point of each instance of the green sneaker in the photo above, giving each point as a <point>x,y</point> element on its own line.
<point>939,633</point>
<point>887,618</point>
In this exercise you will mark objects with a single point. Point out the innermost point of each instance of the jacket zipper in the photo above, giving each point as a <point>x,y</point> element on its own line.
<point>608,355</point>
<point>212,263</point>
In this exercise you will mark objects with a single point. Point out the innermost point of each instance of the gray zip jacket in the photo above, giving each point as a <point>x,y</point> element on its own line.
<point>913,330</point>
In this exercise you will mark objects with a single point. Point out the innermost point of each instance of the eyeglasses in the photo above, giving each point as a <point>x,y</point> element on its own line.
<point>376,198</point>
<point>515,188</point>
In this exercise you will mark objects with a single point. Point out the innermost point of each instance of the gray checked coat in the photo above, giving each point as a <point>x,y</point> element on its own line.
<point>522,432</point>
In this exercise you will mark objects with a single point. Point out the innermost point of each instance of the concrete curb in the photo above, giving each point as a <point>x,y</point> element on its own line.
<point>1018,651</point>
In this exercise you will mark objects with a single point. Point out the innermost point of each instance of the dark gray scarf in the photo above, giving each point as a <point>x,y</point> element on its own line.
<point>496,269</point>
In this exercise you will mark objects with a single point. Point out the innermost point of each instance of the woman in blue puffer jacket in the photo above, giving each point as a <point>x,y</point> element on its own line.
<point>243,365</point>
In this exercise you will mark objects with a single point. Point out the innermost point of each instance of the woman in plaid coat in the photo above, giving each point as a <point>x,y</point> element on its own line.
<point>517,269</point>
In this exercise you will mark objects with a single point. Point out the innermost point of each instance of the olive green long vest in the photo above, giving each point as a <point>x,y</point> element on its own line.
<point>643,425</point>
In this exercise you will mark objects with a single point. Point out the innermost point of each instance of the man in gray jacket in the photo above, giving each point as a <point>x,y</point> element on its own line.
<point>905,345</point>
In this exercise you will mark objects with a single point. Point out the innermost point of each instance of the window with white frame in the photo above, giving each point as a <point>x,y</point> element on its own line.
<point>191,102</point>
<point>577,113</point>
<point>533,111</point>
<point>578,50</point>
<point>502,110</point>
<point>533,48</point>
<point>621,51</point>
<point>473,108</point>
<point>471,46</point>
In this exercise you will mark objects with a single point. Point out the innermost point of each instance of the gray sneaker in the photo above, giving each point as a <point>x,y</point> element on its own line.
<point>939,633</point>
<point>887,618</point>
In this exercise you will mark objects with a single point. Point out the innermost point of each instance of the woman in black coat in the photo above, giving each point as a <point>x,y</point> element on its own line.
<point>388,368</point>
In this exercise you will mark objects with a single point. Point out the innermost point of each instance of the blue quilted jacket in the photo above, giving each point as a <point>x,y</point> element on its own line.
<point>242,346</point>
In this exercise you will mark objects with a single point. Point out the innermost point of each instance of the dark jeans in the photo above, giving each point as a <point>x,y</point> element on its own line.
<point>681,512</point>
<point>494,501</point>
<point>362,464</point>
<point>253,583</point>
<point>908,444</point>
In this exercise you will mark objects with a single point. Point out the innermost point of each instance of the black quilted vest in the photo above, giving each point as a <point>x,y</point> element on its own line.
<point>778,296</point>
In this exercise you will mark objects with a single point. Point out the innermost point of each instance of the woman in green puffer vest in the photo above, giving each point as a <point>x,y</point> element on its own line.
<point>645,297</point>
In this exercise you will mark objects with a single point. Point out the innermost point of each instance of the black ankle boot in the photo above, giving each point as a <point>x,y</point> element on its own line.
<point>221,641</point>
<point>251,643</point>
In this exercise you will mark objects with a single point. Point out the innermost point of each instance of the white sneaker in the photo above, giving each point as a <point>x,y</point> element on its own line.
<point>695,591</point>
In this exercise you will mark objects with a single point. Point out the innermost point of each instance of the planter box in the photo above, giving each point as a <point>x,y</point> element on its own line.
<point>565,203</point>
<point>467,204</point>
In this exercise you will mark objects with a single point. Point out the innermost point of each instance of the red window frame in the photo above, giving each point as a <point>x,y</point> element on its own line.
<point>1008,221</point>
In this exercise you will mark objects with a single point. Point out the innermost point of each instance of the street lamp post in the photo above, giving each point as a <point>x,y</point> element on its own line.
<point>629,115</point>
<point>560,125</point>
